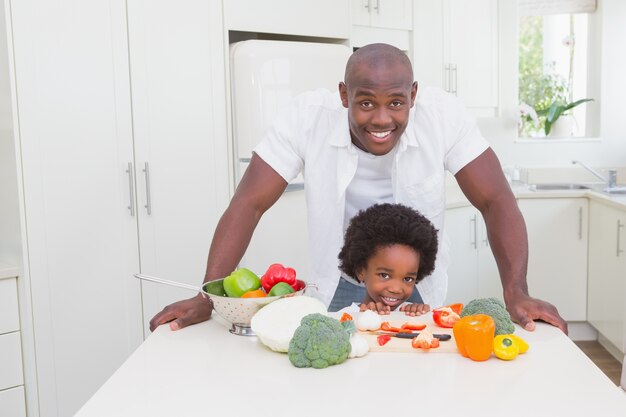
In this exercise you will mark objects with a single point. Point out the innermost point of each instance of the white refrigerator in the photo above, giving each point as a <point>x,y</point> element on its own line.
<point>265,76</point>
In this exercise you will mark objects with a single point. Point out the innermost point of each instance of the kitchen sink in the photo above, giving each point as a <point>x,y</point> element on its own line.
<point>558,186</point>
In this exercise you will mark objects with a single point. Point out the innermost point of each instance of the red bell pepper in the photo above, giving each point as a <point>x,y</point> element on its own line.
<point>448,315</point>
<point>278,273</point>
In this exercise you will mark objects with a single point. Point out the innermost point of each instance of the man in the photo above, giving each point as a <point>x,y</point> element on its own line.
<point>379,143</point>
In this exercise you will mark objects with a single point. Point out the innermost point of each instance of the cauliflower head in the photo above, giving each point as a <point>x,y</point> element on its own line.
<point>319,342</point>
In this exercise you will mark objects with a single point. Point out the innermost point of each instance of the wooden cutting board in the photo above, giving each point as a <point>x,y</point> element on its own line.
<point>397,344</point>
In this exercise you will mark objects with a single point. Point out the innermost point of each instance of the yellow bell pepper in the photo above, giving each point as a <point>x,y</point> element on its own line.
<point>474,336</point>
<point>523,345</point>
<point>508,346</point>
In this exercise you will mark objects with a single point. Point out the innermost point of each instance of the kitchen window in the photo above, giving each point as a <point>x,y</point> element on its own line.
<point>557,69</point>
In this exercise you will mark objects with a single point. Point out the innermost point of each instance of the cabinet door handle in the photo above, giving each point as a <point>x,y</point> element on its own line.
<point>131,188</point>
<point>446,77</point>
<point>377,7</point>
<point>453,78</point>
<point>148,205</point>
<point>473,222</point>
<point>580,223</point>
<point>619,227</point>
<point>367,5</point>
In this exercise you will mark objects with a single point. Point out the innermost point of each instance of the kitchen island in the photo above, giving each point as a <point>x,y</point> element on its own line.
<point>203,370</point>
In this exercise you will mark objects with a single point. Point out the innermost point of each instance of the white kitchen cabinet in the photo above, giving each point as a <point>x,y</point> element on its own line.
<point>179,125</point>
<point>106,89</point>
<point>455,47</point>
<point>389,14</point>
<point>557,253</point>
<point>75,135</point>
<point>388,21</point>
<point>473,271</point>
<point>319,18</point>
<point>607,273</point>
<point>12,402</point>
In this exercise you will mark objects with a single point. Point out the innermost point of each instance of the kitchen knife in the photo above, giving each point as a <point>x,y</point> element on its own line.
<point>441,337</point>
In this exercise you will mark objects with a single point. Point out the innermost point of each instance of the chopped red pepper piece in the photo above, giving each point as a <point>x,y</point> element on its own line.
<point>278,273</point>
<point>425,340</point>
<point>383,339</point>
<point>448,315</point>
<point>414,326</point>
<point>345,317</point>
<point>386,327</point>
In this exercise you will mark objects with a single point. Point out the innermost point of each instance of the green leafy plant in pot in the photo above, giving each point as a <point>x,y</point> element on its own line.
<point>556,110</point>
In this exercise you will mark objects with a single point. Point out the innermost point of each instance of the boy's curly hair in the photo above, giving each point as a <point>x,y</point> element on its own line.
<point>384,225</point>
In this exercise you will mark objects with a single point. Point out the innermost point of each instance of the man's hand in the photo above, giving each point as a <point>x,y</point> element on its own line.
<point>524,309</point>
<point>184,313</point>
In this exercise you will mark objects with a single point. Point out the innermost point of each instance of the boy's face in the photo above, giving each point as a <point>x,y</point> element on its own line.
<point>378,99</point>
<point>391,274</point>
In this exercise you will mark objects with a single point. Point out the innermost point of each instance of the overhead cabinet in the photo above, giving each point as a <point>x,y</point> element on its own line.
<point>389,14</point>
<point>455,47</point>
<point>387,21</point>
<point>124,170</point>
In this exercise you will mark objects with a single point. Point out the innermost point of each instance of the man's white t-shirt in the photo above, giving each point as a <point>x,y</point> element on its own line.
<point>371,183</point>
<point>312,136</point>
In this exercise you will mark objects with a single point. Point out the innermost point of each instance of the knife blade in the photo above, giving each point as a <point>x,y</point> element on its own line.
<point>441,337</point>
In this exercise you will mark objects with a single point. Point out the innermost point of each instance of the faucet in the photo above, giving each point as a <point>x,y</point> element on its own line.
<point>611,181</point>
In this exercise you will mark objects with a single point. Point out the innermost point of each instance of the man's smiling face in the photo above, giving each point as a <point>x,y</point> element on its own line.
<point>378,97</point>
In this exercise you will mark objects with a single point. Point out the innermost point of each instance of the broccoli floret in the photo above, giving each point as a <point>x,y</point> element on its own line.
<point>319,342</point>
<point>494,308</point>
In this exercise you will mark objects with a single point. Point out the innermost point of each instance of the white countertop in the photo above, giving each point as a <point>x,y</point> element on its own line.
<point>455,197</point>
<point>203,370</point>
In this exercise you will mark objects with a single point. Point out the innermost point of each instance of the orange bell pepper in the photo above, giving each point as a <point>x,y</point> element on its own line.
<point>474,336</point>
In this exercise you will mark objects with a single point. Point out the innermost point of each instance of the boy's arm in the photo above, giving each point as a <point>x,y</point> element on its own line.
<point>484,184</point>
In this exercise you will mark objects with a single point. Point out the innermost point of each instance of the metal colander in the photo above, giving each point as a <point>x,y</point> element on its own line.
<point>236,311</point>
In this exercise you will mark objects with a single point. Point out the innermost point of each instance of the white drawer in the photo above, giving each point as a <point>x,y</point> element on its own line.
<point>11,374</point>
<point>9,318</point>
<point>12,402</point>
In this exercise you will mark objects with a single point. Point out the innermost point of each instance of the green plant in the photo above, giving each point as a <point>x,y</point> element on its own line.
<point>555,111</point>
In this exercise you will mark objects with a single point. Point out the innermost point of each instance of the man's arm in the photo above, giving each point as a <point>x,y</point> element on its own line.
<point>258,190</point>
<point>484,184</point>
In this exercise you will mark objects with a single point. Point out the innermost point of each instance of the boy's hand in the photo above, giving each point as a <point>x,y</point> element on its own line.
<point>379,307</point>
<point>415,309</point>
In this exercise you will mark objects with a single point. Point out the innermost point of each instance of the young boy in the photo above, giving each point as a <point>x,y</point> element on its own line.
<point>389,248</point>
